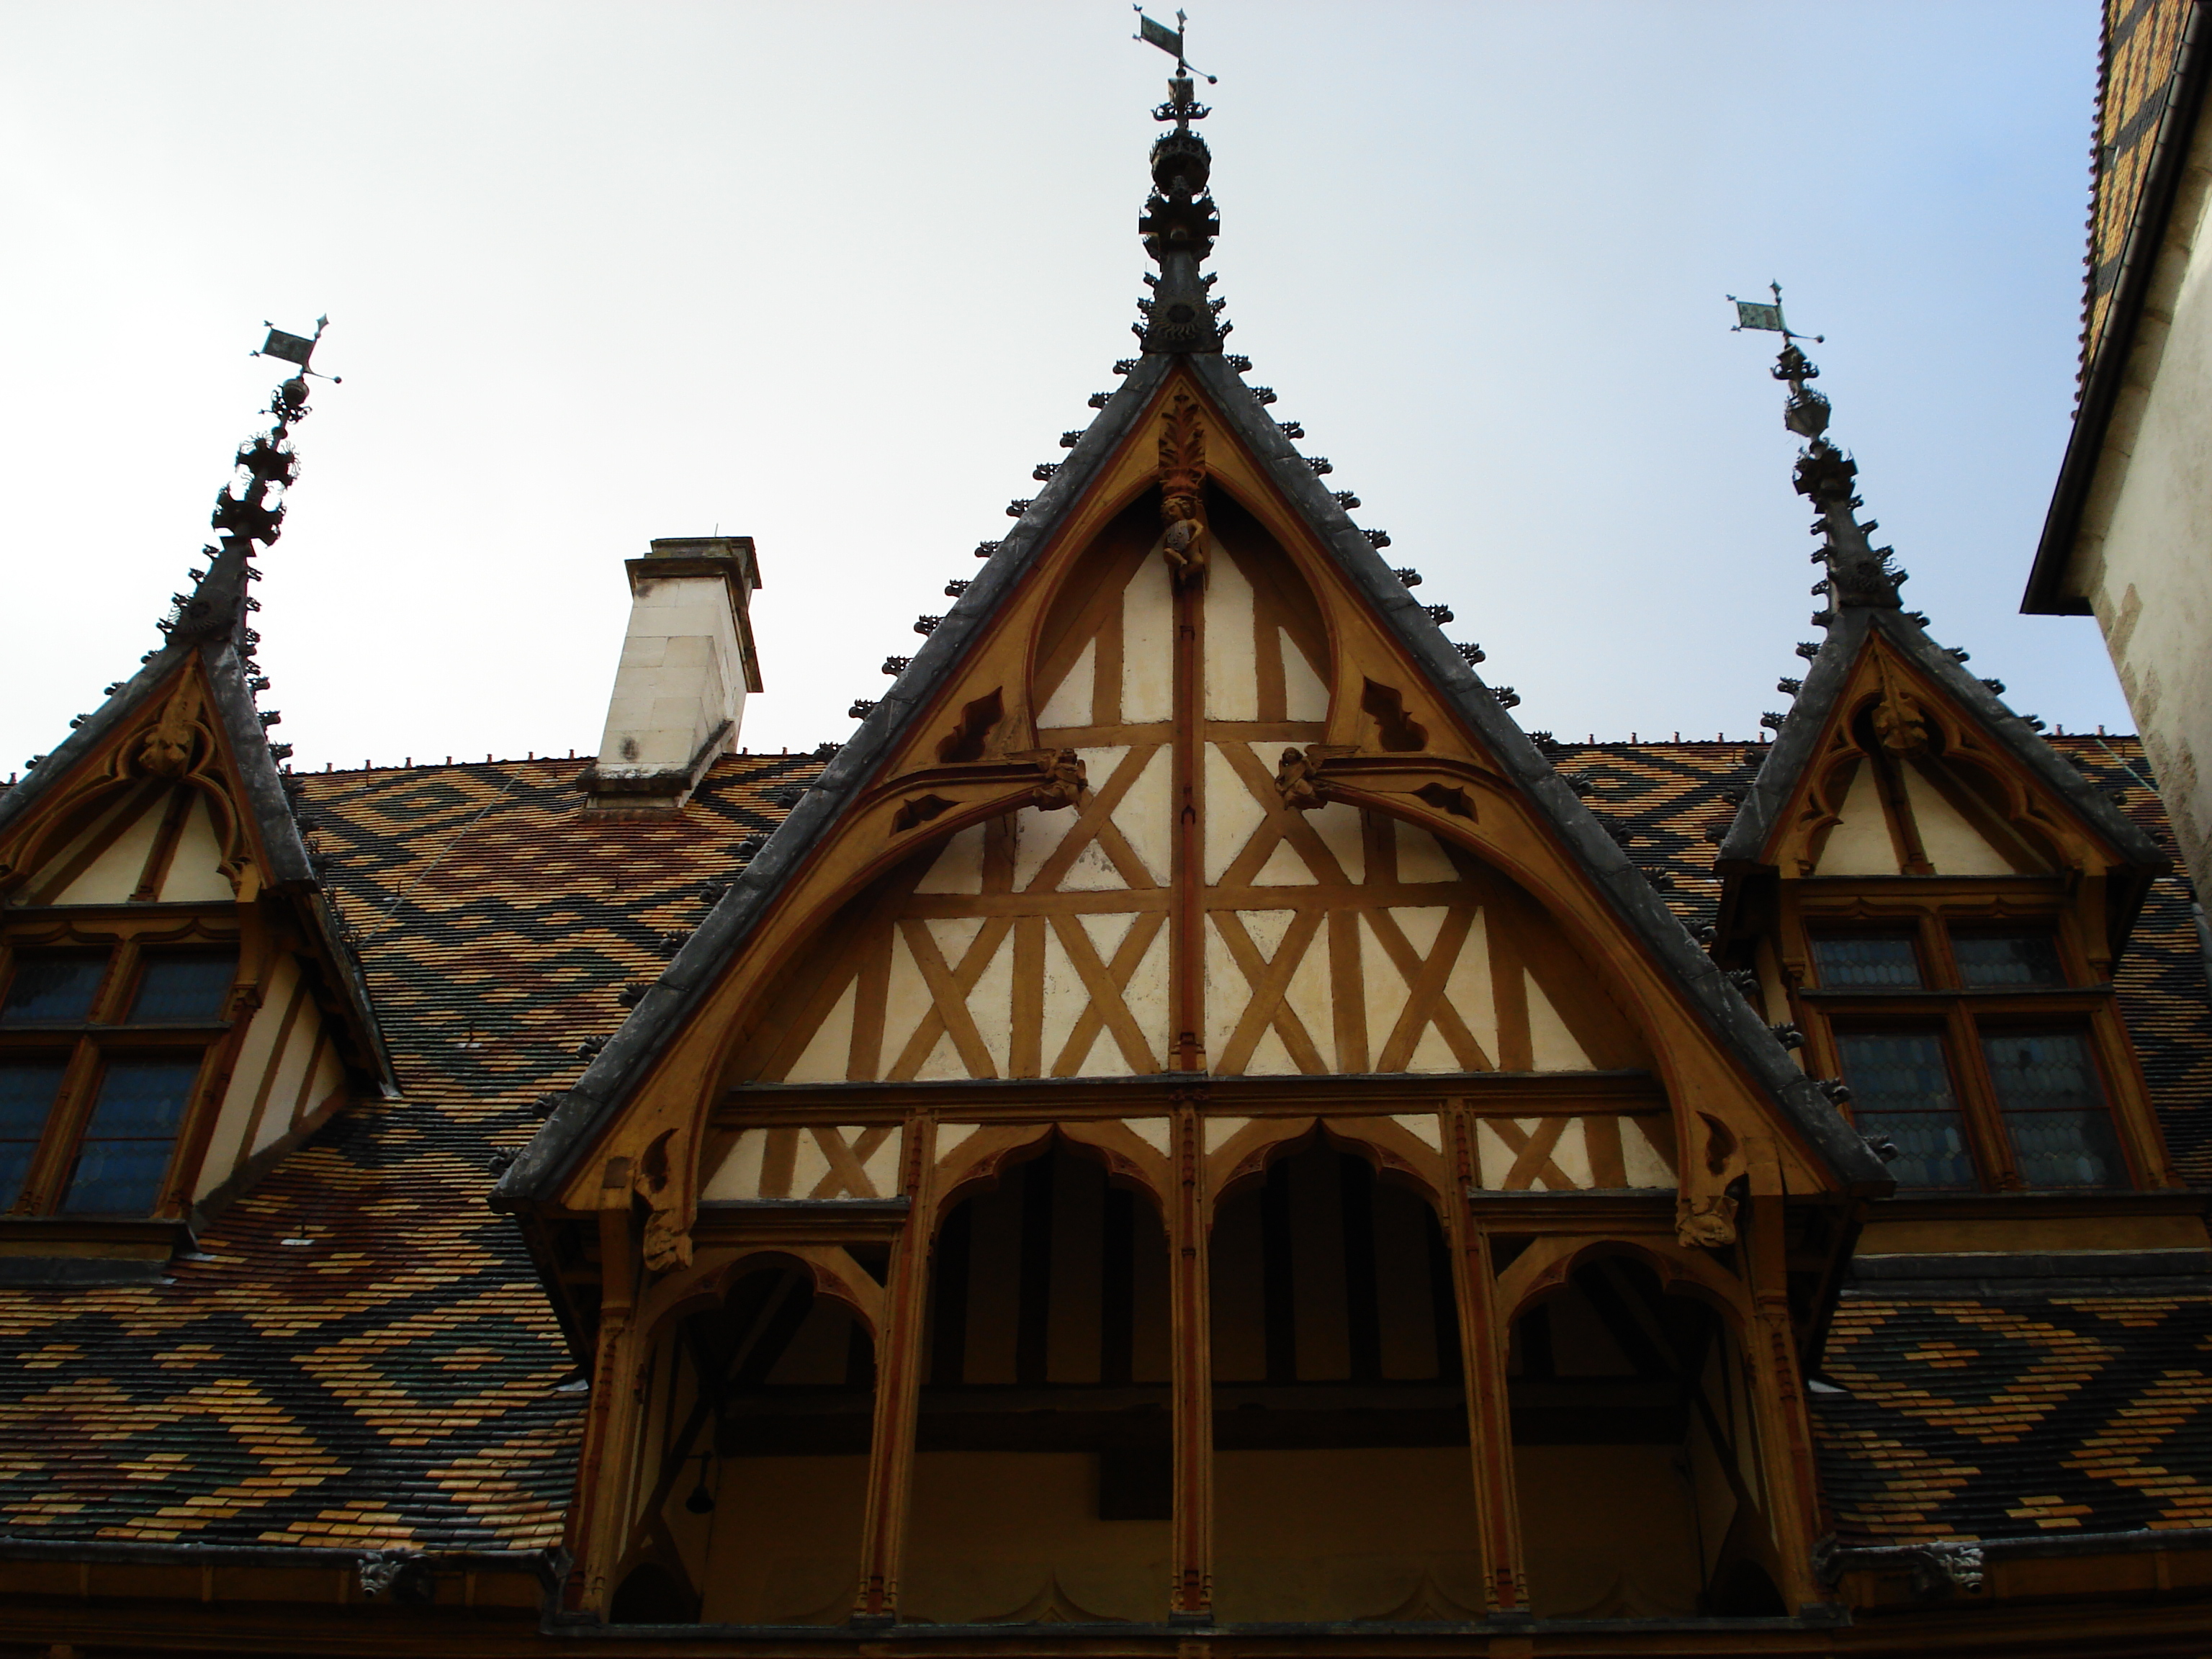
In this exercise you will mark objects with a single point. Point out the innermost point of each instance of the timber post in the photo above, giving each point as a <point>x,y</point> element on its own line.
<point>899,1384</point>
<point>1482,1339</point>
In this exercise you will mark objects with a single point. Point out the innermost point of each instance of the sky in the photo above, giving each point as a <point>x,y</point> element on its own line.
<point>838,275</point>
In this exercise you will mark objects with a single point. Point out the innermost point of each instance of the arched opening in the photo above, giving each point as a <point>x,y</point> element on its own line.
<point>1342,1482</point>
<point>1636,1458</point>
<point>758,1418</point>
<point>1042,1484</point>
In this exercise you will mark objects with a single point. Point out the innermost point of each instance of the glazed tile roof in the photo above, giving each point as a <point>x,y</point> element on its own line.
<point>2005,1412</point>
<point>396,1381</point>
<point>2140,46</point>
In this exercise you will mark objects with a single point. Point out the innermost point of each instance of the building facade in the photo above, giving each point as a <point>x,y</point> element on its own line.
<point>2129,535</point>
<point>1190,1128</point>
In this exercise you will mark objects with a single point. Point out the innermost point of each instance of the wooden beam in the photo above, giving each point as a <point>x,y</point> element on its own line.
<point>1190,1332</point>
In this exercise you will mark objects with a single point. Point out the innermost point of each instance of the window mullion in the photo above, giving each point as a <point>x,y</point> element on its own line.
<point>1985,1122</point>
<point>72,1109</point>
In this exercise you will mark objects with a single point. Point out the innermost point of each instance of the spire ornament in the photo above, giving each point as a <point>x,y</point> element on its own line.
<point>1859,573</point>
<point>1179,223</point>
<point>249,509</point>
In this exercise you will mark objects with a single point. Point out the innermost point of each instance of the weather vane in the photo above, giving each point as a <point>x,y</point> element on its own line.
<point>296,349</point>
<point>1756,314</point>
<point>1169,40</point>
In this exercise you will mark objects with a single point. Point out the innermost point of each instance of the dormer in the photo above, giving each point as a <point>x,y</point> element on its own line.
<point>178,1004</point>
<point>1934,898</point>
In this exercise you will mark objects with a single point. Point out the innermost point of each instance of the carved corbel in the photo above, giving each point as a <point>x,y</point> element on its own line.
<point>1066,782</point>
<point>1296,782</point>
<point>668,1212</point>
<point>1900,724</point>
<point>1705,1212</point>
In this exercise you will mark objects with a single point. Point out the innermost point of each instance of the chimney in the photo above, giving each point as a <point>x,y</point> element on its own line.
<point>686,666</point>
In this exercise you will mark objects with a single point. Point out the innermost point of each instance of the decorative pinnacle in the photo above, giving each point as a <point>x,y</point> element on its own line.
<point>250,508</point>
<point>1179,223</point>
<point>1859,573</point>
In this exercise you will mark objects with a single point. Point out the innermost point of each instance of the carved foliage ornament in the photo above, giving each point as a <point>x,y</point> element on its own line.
<point>1183,486</point>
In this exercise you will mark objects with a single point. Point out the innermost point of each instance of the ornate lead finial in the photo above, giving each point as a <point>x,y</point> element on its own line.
<point>1180,223</point>
<point>250,508</point>
<point>1859,573</point>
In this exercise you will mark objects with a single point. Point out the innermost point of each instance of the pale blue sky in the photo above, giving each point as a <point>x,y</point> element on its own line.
<point>838,275</point>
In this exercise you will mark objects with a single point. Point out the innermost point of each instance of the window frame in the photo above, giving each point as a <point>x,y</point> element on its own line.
<point>87,1045</point>
<point>1963,1014</point>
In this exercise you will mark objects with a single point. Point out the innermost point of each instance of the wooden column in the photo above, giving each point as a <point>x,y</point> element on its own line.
<point>1187,948</point>
<point>1482,1339</point>
<point>1190,1598</point>
<point>599,1524</point>
<point>1770,1350</point>
<point>898,1382</point>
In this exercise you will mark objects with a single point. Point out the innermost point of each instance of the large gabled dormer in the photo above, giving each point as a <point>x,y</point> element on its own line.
<point>178,1004</point>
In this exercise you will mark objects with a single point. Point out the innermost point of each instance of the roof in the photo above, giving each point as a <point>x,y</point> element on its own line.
<point>2151,76</point>
<point>396,1382</point>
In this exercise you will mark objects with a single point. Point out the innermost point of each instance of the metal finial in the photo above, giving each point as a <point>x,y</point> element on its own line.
<point>1858,573</point>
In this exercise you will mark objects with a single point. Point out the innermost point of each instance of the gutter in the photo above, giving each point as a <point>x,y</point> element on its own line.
<point>2107,372</point>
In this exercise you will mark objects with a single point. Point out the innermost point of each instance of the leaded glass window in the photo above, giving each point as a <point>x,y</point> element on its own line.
<point>2054,1110</point>
<point>1901,1091</point>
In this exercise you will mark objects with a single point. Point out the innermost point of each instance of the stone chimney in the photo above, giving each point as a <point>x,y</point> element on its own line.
<point>686,666</point>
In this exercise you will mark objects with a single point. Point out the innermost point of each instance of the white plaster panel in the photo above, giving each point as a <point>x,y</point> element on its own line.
<point>1145,817</point>
<point>882,1166</point>
<point>255,1057</point>
<point>1231,813</point>
<point>1146,996</point>
<point>1070,702</point>
<point>1338,826</point>
<point>809,1164</point>
<point>1305,698</point>
<point>1420,858</point>
<point>828,1051</point>
<point>1952,845</point>
<point>1226,993</point>
<point>944,1063</point>
<point>1859,844</point>
<point>1424,1126</point>
<point>1155,1132</point>
<point>1038,836</point>
<point>330,1078</point>
<point>1283,868</point>
<point>959,867</point>
<point>111,878</point>
<point>991,1004</point>
<point>1232,673</point>
<point>298,1053</point>
<point>1221,1130</point>
<point>1469,990</point>
<point>1093,871</point>
<point>1147,645</point>
<point>1308,998</point>
<point>739,1174</point>
<point>1551,1045</point>
<point>1646,1164</point>
<point>906,998</point>
<point>951,1136</point>
<point>1066,997</point>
